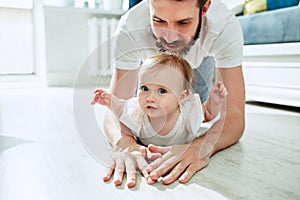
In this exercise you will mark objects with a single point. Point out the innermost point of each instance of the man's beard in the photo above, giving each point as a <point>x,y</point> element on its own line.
<point>162,43</point>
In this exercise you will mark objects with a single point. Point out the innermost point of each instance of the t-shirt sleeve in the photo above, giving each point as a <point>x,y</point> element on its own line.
<point>228,47</point>
<point>125,51</point>
<point>133,40</point>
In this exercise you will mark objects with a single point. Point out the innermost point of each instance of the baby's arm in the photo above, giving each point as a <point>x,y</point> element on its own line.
<point>215,101</point>
<point>113,103</point>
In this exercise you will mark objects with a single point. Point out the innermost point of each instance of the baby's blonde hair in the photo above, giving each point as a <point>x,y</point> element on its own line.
<point>174,61</point>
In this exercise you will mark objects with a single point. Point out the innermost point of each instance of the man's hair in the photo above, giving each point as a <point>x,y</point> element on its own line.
<point>174,61</point>
<point>200,2</point>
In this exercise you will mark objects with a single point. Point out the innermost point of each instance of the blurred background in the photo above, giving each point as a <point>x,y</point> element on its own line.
<point>46,42</point>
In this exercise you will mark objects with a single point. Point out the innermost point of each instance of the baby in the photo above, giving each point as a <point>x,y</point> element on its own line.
<point>165,111</point>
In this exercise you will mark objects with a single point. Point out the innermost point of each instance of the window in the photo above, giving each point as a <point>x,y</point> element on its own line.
<point>25,4</point>
<point>16,37</point>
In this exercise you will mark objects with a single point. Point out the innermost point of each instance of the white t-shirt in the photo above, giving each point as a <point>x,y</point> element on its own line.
<point>220,36</point>
<point>187,127</point>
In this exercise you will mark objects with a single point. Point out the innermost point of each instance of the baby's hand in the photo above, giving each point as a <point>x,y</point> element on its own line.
<point>102,97</point>
<point>219,93</point>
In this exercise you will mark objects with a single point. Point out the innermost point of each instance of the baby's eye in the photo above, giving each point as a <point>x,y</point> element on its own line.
<point>162,91</point>
<point>144,88</point>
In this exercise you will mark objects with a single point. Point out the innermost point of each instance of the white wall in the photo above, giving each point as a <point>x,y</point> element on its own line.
<point>66,31</point>
<point>16,41</point>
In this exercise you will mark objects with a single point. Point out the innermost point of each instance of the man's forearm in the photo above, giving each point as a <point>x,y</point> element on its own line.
<point>224,133</point>
<point>233,129</point>
<point>232,121</point>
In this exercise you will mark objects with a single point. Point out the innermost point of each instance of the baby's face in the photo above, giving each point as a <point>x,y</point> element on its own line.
<point>159,91</point>
<point>163,75</point>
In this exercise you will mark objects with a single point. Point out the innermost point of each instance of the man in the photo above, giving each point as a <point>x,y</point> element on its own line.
<point>197,29</point>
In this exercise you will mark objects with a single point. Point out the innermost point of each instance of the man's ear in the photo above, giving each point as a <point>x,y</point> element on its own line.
<point>205,7</point>
<point>184,94</point>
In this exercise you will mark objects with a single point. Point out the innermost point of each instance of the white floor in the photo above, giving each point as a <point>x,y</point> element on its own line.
<point>46,152</point>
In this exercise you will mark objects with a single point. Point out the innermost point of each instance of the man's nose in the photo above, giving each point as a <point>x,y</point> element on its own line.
<point>171,35</point>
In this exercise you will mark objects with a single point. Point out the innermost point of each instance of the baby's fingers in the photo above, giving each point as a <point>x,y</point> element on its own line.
<point>96,99</point>
<point>223,91</point>
<point>98,91</point>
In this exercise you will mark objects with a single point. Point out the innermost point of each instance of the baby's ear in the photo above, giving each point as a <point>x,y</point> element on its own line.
<point>183,96</point>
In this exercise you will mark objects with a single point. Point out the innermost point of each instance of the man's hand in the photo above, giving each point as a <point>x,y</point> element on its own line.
<point>183,161</point>
<point>177,162</point>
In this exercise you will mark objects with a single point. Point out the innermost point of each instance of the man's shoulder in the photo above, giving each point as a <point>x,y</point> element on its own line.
<point>137,17</point>
<point>217,17</point>
<point>219,25</point>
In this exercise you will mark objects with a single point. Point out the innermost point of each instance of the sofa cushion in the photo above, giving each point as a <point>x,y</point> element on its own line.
<point>255,6</point>
<point>277,26</point>
<point>275,4</point>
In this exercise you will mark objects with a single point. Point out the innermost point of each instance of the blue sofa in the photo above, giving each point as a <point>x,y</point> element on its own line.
<point>276,26</point>
<point>272,56</point>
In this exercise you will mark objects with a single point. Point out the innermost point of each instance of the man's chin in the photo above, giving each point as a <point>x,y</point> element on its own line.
<point>179,50</point>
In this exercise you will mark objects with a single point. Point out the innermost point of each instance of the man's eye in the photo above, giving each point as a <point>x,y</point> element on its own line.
<point>158,21</point>
<point>144,88</point>
<point>183,22</point>
<point>162,91</point>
